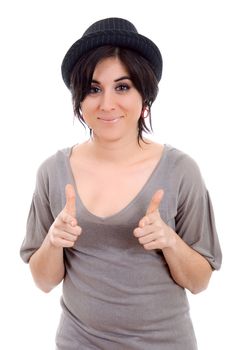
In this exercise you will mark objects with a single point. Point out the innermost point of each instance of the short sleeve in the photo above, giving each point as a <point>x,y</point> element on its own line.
<point>195,222</point>
<point>39,218</point>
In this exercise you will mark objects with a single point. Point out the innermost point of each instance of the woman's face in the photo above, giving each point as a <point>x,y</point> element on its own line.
<point>113,105</point>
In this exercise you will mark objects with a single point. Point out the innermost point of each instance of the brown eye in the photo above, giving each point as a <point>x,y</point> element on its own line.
<point>94,90</point>
<point>123,87</point>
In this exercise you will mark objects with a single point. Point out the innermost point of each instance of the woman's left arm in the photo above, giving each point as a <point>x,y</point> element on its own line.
<point>188,268</point>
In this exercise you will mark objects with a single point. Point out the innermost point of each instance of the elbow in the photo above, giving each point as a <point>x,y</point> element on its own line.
<point>45,281</point>
<point>199,287</point>
<point>200,284</point>
<point>44,287</point>
<point>47,285</point>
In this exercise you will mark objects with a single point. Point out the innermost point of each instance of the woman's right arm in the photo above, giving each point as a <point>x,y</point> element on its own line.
<point>47,263</point>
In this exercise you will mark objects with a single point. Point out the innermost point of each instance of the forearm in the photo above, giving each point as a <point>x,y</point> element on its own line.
<point>188,268</point>
<point>47,266</point>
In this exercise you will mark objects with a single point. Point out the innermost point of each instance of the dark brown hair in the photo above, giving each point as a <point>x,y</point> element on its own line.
<point>139,70</point>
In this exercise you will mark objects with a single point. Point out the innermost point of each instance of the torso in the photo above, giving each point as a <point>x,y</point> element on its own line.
<point>106,187</point>
<point>110,276</point>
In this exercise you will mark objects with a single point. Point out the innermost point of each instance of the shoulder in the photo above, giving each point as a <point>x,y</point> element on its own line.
<point>184,169</point>
<point>49,167</point>
<point>181,161</point>
<point>51,160</point>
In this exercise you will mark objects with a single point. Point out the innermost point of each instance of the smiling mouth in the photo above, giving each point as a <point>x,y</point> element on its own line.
<point>110,120</point>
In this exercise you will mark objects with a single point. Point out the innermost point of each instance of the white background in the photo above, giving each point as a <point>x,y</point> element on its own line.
<point>193,112</point>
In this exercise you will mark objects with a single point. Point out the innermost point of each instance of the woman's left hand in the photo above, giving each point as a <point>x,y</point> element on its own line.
<point>152,232</point>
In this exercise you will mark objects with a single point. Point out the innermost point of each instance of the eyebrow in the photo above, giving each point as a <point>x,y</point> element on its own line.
<point>116,80</point>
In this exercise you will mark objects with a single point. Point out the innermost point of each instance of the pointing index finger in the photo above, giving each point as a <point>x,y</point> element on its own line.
<point>70,205</point>
<point>155,202</point>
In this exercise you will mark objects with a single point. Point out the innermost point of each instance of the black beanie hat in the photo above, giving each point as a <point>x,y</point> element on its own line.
<point>116,32</point>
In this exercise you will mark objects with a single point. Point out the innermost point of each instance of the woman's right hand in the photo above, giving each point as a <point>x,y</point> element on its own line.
<point>65,230</point>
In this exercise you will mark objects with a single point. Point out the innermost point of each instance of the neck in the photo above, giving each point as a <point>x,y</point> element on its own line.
<point>120,151</point>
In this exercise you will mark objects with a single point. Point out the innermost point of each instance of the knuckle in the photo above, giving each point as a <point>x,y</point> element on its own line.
<point>141,240</point>
<point>79,230</point>
<point>147,247</point>
<point>58,221</point>
<point>74,238</point>
<point>64,217</point>
<point>136,232</point>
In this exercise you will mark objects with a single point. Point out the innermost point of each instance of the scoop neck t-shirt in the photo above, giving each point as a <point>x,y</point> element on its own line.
<point>116,295</point>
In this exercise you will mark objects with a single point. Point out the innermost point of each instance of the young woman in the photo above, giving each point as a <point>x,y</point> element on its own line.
<point>126,223</point>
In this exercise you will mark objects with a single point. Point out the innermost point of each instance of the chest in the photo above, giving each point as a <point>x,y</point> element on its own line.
<point>106,190</point>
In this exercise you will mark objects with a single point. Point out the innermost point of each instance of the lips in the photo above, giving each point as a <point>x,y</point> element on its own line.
<point>109,119</point>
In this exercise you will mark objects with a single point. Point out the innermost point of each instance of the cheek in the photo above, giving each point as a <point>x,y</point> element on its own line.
<point>132,103</point>
<point>137,105</point>
<point>87,107</point>
<point>135,109</point>
<point>84,104</point>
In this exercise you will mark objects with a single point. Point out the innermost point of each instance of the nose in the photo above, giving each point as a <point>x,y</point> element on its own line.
<point>107,101</point>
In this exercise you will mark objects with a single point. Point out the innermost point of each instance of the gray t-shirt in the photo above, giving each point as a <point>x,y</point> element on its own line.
<point>116,294</point>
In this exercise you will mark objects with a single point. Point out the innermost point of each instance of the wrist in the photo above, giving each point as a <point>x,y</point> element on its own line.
<point>172,239</point>
<point>49,242</point>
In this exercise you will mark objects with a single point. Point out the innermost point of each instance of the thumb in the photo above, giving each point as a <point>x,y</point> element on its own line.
<point>155,202</point>
<point>70,206</point>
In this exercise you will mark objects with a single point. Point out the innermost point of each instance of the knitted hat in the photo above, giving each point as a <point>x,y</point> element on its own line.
<point>115,32</point>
